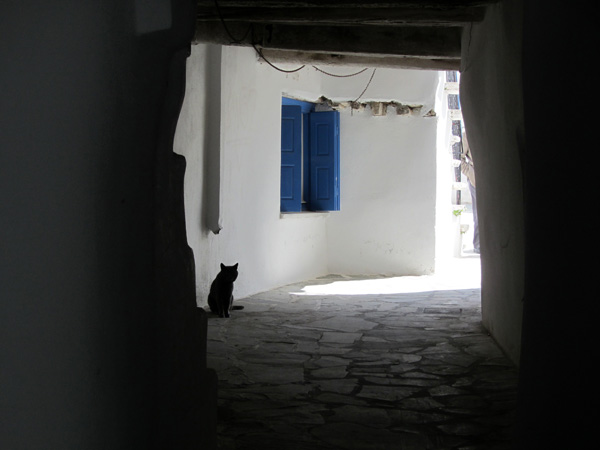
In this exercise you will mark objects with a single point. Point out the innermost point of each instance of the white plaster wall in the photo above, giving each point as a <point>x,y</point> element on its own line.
<point>269,250</point>
<point>388,175</point>
<point>416,87</point>
<point>387,222</point>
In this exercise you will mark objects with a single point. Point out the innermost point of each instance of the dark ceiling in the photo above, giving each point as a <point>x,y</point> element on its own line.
<point>402,33</point>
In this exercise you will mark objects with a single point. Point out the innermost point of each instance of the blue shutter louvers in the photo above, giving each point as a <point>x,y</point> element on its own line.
<point>324,161</point>
<point>291,158</point>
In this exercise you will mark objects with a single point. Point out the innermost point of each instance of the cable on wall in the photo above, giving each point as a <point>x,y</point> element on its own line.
<point>340,76</point>
<point>367,86</point>
<point>262,56</point>
<point>233,39</point>
<point>249,31</point>
<point>274,66</point>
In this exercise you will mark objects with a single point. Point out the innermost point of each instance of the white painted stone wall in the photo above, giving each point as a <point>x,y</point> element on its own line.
<point>387,220</point>
<point>388,177</point>
<point>270,251</point>
<point>407,86</point>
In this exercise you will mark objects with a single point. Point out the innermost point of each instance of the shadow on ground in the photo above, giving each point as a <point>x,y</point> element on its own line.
<point>335,364</point>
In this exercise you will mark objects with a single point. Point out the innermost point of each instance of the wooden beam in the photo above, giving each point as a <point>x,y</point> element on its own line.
<point>429,42</point>
<point>363,4</point>
<point>346,16</point>
<point>233,33</point>
<point>400,41</point>
<point>354,60</point>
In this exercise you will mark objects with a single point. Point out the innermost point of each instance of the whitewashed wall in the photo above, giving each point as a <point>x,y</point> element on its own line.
<point>396,216</point>
<point>407,86</point>
<point>246,131</point>
<point>387,222</point>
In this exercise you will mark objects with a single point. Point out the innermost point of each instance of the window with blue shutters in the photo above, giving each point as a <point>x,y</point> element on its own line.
<point>310,158</point>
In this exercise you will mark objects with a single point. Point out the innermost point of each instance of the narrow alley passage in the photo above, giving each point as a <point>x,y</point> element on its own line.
<point>362,363</point>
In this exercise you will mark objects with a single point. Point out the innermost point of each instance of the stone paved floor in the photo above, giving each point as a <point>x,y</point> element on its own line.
<point>362,363</point>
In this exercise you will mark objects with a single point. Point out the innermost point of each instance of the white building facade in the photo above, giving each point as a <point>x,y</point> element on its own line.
<point>395,168</point>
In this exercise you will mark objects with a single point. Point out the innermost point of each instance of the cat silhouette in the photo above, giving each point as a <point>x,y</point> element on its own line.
<point>220,297</point>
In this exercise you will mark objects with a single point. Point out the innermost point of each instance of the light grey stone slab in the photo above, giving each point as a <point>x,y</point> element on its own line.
<point>341,323</point>
<point>327,361</point>
<point>386,393</point>
<point>308,347</point>
<point>441,348</point>
<point>427,376</point>
<point>459,359</point>
<point>373,340</point>
<point>361,356</point>
<point>440,369</point>
<point>344,386</point>
<point>277,347</point>
<point>329,372</point>
<point>401,368</point>
<point>332,349</point>
<point>339,338</point>
<point>407,358</point>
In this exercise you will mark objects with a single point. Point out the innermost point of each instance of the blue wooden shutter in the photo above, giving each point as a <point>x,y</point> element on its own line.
<point>291,158</point>
<point>325,161</point>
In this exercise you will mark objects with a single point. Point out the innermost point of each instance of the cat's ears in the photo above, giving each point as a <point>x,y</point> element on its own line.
<point>223,266</point>
<point>236,264</point>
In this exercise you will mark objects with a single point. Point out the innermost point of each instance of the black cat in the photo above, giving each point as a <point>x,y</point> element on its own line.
<point>220,298</point>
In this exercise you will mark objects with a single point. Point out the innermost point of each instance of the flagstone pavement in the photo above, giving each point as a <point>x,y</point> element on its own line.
<point>362,363</point>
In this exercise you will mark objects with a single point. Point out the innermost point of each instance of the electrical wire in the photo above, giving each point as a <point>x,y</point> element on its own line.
<point>366,87</point>
<point>274,66</point>
<point>339,76</point>
<point>239,41</point>
<point>262,56</point>
<point>233,39</point>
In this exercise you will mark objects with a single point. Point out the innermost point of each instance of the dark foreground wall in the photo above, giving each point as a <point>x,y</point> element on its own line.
<point>88,317</point>
<point>527,98</point>
<point>492,104</point>
<point>559,327</point>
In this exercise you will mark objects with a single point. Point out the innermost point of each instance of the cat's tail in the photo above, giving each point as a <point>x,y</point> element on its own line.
<point>237,307</point>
